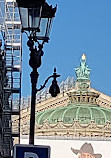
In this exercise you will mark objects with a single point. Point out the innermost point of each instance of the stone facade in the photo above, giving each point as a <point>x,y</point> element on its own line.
<point>52,114</point>
<point>61,129</point>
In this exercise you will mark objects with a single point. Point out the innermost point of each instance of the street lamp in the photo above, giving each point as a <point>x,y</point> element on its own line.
<point>36,17</point>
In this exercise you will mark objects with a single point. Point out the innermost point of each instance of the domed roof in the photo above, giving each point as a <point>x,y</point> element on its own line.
<point>82,113</point>
<point>80,116</point>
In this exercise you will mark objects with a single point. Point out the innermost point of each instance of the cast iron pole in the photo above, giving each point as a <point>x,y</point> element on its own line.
<point>34,78</point>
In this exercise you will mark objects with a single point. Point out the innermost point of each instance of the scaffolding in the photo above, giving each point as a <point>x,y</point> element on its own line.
<point>44,94</point>
<point>10,27</point>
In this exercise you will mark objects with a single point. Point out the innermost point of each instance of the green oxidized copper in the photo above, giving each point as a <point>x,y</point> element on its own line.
<point>82,113</point>
<point>81,107</point>
<point>83,72</point>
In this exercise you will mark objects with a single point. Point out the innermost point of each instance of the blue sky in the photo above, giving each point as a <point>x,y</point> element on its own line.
<point>80,26</point>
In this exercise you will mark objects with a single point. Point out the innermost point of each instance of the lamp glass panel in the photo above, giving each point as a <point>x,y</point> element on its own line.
<point>49,26</point>
<point>43,27</point>
<point>34,17</point>
<point>24,16</point>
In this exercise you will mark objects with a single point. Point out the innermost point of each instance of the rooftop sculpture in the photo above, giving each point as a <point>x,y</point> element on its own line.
<point>82,72</point>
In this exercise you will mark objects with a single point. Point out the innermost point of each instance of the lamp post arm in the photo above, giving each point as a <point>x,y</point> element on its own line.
<point>23,31</point>
<point>42,86</point>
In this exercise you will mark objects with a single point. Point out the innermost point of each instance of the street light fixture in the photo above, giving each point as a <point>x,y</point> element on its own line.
<point>30,13</point>
<point>36,17</point>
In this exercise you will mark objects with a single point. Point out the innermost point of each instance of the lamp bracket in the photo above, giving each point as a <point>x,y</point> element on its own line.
<point>52,76</point>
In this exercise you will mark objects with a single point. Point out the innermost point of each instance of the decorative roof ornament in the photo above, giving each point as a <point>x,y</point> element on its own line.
<point>83,72</point>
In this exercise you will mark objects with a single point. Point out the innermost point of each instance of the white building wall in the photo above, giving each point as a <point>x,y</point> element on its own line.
<point>62,148</point>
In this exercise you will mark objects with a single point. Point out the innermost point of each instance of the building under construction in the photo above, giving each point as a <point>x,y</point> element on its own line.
<point>10,75</point>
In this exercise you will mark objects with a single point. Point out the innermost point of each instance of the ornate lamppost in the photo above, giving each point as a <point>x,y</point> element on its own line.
<point>36,17</point>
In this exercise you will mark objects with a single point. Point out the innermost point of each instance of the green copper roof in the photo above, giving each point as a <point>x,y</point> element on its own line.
<point>82,104</point>
<point>84,114</point>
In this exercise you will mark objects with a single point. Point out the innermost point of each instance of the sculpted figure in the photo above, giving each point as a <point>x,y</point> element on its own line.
<point>82,72</point>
